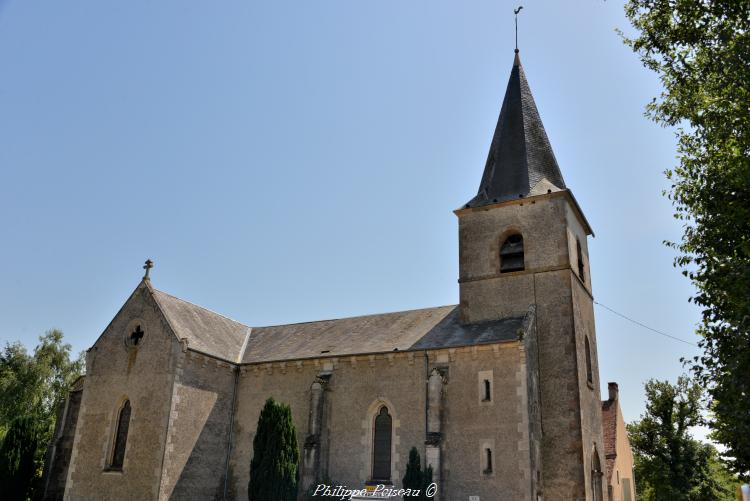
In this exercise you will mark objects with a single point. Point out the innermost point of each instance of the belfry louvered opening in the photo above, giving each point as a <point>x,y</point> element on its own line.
<point>511,254</point>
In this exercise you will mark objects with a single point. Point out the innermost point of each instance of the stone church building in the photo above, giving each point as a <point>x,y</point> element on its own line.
<point>500,393</point>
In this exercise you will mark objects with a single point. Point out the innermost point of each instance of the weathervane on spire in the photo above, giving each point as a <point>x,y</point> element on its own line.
<point>516,11</point>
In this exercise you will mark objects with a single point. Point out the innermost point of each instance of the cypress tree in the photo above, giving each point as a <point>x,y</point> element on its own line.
<point>413,477</point>
<point>274,469</point>
<point>17,465</point>
<point>426,478</point>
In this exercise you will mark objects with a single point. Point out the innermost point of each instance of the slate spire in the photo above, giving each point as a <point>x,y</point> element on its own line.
<point>520,162</point>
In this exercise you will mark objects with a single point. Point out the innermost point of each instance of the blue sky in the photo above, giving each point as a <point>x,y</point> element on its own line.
<point>288,160</point>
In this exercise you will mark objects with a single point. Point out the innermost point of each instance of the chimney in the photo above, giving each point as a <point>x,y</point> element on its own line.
<point>613,391</point>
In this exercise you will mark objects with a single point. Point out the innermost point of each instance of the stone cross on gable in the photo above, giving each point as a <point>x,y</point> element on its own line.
<point>149,264</point>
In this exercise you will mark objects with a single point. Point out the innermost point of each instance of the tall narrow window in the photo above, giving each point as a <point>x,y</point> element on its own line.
<point>381,456</point>
<point>487,391</point>
<point>511,254</point>
<point>589,374</point>
<point>580,261</point>
<point>488,460</point>
<point>596,476</point>
<point>121,437</point>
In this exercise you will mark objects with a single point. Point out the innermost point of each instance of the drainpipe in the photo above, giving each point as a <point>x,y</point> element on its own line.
<point>231,430</point>
<point>426,392</point>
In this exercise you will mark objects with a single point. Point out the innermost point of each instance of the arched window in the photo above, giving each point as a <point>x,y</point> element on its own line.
<point>511,254</point>
<point>121,437</point>
<point>381,447</point>
<point>580,261</point>
<point>596,476</point>
<point>589,373</point>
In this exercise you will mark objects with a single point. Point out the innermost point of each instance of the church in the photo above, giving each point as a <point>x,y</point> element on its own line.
<point>499,393</point>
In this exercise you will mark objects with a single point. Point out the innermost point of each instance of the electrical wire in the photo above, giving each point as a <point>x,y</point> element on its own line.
<point>644,325</point>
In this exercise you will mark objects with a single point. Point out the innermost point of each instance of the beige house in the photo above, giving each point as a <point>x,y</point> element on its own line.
<point>498,393</point>
<point>619,456</point>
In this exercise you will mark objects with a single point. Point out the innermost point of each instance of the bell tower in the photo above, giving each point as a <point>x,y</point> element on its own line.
<point>522,242</point>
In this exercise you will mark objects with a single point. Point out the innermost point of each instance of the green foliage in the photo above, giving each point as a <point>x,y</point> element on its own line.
<point>700,51</point>
<point>669,464</point>
<point>413,477</point>
<point>36,385</point>
<point>326,480</point>
<point>32,386</point>
<point>18,468</point>
<point>274,469</point>
<point>426,481</point>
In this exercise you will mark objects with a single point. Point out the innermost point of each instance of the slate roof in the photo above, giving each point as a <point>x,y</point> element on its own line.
<point>205,330</point>
<point>428,328</point>
<point>520,161</point>
<point>402,331</point>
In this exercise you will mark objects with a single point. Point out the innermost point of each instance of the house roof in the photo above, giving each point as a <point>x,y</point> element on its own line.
<point>520,161</point>
<point>423,329</point>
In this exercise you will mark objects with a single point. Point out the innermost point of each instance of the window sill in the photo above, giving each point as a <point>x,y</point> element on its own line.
<point>376,482</point>
<point>112,470</point>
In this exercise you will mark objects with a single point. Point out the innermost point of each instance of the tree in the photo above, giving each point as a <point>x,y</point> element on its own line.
<point>37,384</point>
<point>18,468</point>
<point>33,387</point>
<point>416,478</point>
<point>274,469</point>
<point>669,464</point>
<point>426,481</point>
<point>700,50</point>
<point>413,477</point>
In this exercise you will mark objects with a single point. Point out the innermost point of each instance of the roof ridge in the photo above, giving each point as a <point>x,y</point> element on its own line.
<point>243,349</point>
<point>355,316</point>
<point>202,308</point>
<point>303,322</point>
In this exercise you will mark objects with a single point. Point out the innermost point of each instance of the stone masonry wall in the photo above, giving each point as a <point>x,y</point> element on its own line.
<point>199,429</point>
<point>116,372</point>
<point>471,425</point>
<point>547,223</point>
<point>583,317</point>
<point>62,447</point>
<point>531,351</point>
<point>486,294</point>
<point>360,385</point>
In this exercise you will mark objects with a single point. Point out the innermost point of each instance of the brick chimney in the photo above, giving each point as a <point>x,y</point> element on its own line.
<point>613,391</point>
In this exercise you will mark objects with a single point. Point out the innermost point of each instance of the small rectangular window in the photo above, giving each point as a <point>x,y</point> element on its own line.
<point>485,389</point>
<point>488,460</point>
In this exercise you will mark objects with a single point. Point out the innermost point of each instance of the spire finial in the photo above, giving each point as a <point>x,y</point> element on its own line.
<point>147,266</point>
<point>516,11</point>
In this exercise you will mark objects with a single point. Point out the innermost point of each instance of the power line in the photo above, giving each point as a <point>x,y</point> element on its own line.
<point>644,325</point>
